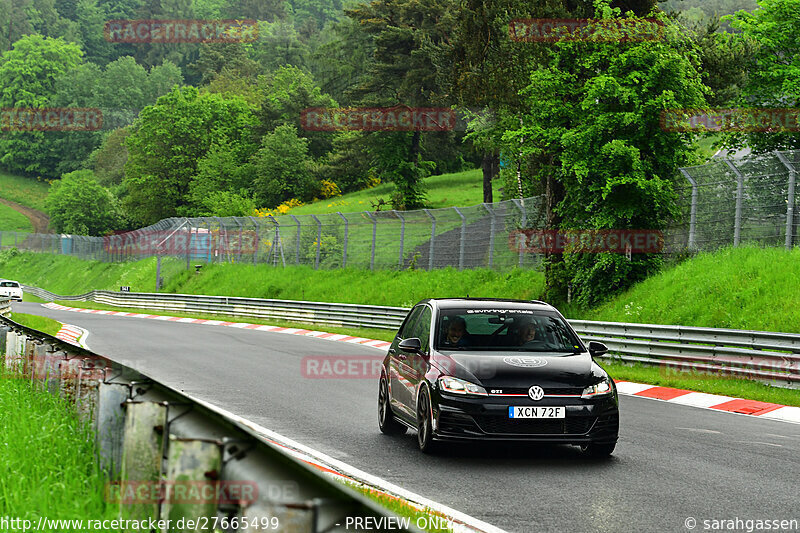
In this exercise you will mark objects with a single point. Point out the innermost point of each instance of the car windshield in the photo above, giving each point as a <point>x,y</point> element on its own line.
<point>505,330</point>
<point>9,284</point>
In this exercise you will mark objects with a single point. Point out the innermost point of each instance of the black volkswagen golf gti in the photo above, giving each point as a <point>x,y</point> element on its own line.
<point>492,369</point>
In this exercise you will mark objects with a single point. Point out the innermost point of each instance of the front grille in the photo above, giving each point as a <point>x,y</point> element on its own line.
<point>558,391</point>
<point>567,426</point>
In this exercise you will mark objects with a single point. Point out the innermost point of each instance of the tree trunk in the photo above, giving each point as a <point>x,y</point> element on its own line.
<point>486,166</point>
<point>554,273</point>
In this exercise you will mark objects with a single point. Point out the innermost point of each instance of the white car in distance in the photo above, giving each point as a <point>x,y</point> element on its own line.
<point>10,289</point>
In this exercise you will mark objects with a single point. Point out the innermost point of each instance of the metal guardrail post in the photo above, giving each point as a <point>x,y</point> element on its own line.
<point>433,238</point>
<point>319,240</point>
<point>344,249</point>
<point>737,223</point>
<point>463,239</point>
<point>789,200</point>
<point>492,227</point>
<point>374,234</point>
<point>402,237</point>
<point>297,241</point>
<point>692,211</point>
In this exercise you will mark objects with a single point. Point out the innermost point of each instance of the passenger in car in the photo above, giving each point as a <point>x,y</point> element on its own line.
<point>528,335</point>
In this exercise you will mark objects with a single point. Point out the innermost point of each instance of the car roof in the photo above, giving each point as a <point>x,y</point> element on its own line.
<point>487,303</point>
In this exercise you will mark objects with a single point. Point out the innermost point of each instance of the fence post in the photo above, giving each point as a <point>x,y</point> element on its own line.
<point>257,241</point>
<point>523,221</point>
<point>790,200</point>
<point>402,237</point>
<point>344,251</point>
<point>189,246</point>
<point>374,233</point>
<point>433,238</point>
<point>489,209</point>
<point>737,222</point>
<point>319,239</point>
<point>463,238</point>
<point>692,211</point>
<point>297,242</point>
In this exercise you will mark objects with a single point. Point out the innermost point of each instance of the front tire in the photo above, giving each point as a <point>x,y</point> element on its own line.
<point>386,420</point>
<point>594,449</point>
<point>425,423</point>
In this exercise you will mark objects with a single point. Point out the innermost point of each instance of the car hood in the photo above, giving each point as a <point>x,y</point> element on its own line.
<point>520,369</point>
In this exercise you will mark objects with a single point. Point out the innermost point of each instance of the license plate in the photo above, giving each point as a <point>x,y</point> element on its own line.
<point>537,412</point>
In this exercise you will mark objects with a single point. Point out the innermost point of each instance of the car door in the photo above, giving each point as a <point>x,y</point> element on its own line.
<point>397,360</point>
<point>417,365</point>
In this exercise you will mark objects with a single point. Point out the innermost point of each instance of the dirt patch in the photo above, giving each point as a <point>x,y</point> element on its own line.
<point>39,220</point>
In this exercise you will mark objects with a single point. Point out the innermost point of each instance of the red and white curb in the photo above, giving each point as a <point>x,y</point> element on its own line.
<point>73,335</point>
<point>372,343</point>
<point>714,402</point>
<point>682,397</point>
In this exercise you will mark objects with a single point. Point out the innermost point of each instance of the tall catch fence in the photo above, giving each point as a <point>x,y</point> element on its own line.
<point>722,203</point>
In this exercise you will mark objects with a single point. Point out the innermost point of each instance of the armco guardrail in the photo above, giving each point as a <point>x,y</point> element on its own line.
<point>172,457</point>
<point>774,357</point>
<point>372,316</point>
<point>5,306</point>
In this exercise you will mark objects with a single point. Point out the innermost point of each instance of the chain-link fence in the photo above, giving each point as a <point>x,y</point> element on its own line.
<point>463,237</point>
<point>730,202</point>
<point>725,202</point>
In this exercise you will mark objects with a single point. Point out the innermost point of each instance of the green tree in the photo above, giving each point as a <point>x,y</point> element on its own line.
<point>773,68</point>
<point>28,75</point>
<point>108,160</point>
<point>168,141</point>
<point>285,94</point>
<point>77,204</point>
<point>594,112</point>
<point>282,168</point>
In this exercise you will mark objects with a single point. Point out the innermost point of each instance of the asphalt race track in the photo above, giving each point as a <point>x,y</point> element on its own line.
<point>672,462</point>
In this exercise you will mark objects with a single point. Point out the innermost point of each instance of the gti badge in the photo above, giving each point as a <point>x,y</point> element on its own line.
<point>536,393</point>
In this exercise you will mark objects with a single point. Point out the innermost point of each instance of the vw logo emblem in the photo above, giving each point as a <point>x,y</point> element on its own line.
<point>536,393</point>
<point>525,361</point>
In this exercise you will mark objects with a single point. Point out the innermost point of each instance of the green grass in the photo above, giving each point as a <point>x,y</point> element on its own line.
<point>39,323</point>
<point>742,288</point>
<point>11,220</point>
<point>445,190</point>
<point>26,191</point>
<point>426,519</point>
<point>48,465</point>
<point>67,275</point>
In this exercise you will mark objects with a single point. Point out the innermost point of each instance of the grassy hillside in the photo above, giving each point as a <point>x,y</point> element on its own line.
<point>11,220</point>
<point>445,190</point>
<point>69,275</point>
<point>744,288</point>
<point>25,191</point>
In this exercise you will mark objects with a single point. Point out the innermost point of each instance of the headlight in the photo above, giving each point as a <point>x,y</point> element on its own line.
<point>459,386</point>
<point>603,388</point>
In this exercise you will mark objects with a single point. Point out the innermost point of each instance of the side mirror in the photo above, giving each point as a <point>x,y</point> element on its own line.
<point>597,349</point>
<point>412,344</point>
